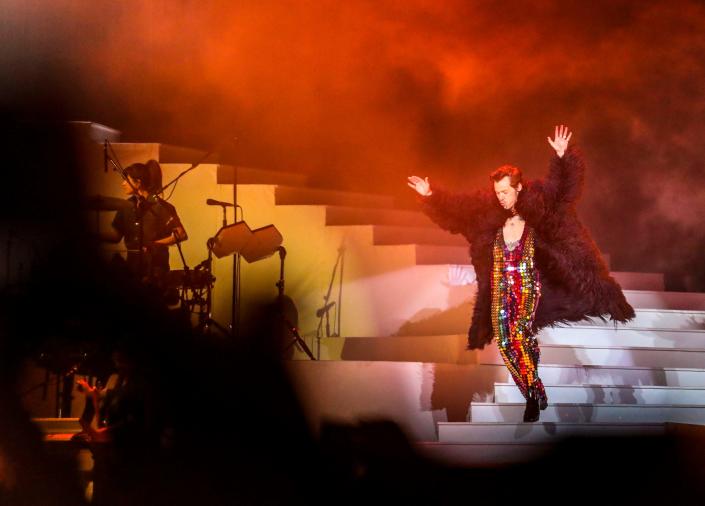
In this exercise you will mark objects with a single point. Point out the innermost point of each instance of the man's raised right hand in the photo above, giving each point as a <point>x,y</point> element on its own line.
<point>422,186</point>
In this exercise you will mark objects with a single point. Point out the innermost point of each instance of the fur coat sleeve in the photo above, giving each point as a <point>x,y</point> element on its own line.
<point>577,282</point>
<point>458,213</point>
<point>566,175</point>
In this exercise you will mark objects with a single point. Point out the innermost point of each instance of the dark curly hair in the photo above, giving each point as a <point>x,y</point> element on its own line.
<point>149,174</point>
<point>514,173</point>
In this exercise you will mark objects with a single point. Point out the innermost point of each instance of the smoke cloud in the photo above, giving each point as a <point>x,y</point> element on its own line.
<point>362,94</point>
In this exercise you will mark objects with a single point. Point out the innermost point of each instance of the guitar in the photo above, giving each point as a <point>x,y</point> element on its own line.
<point>91,419</point>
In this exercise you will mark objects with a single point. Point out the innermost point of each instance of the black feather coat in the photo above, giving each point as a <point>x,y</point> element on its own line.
<point>575,282</point>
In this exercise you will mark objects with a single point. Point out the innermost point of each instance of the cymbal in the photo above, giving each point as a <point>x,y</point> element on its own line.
<point>102,203</point>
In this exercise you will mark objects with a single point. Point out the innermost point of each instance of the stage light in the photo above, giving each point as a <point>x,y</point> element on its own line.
<point>253,245</point>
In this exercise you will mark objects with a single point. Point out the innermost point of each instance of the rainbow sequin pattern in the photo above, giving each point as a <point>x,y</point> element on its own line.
<point>516,290</point>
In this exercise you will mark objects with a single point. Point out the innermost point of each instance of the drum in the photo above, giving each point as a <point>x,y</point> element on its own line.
<point>180,278</point>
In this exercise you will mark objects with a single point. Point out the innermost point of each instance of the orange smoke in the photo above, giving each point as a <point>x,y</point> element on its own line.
<point>361,94</point>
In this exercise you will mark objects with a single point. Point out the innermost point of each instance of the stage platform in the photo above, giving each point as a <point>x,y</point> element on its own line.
<point>403,291</point>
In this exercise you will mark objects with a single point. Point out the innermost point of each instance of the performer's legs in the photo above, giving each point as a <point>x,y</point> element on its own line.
<point>521,356</point>
<point>532,352</point>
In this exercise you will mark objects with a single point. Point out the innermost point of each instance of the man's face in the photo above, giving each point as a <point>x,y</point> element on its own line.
<point>506,193</point>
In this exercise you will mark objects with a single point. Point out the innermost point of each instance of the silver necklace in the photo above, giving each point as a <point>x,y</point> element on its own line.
<point>512,244</point>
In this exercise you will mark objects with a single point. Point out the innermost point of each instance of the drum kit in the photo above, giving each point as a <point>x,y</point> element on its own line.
<point>194,286</point>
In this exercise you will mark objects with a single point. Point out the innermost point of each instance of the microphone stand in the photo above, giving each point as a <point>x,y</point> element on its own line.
<point>323,312</point>
<point>205,320</point>
<point>198,162</point>
<point>280,305</point>
<point>235,307</point>
<point>193,166</point>
<point>188,282</point>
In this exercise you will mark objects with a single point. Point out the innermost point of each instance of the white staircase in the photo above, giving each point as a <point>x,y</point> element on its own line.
<point>541,432</point>
<point>608,394</point>
<point>633,380</point>
<point>601,381</point>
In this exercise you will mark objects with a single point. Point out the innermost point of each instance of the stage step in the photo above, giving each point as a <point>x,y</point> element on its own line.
<point>540,432</point>
<point>428,349</point>
<point>452,349</point>
<point>420,395</point>
<point>607,394</point>
<point>431,254</point>
<point>460,256</point>
<point>132,152</point>
<point>587,413</point>
<point>482,455</point>
<point>339,215</point>
<point>291,195</point>
<point>481,445</point>
<point>57,425</point>
<point>647,299</point>
<point>391,235</point>
<point>612,355</point>
<point>229,174</point>
<point>414,395</point>
<point>611,375</point>
<point>640,280</point>
<point>621,336</point>
<point>658,319</point>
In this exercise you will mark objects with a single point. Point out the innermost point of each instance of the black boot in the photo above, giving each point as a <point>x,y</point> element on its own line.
<point>540,394</point>
<point>532,412</point>
<point>543,402</point>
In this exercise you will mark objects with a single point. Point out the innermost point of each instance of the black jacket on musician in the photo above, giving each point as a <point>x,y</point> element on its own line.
<point>575,282</point>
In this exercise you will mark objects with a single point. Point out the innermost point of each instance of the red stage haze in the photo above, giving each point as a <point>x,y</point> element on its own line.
<point>362,94</point>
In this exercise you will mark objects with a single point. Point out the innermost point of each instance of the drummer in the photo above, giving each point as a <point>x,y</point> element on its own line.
<point>149,225</point>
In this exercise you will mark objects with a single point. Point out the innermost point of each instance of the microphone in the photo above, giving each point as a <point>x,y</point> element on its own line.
<point>321,311</point>
<point>213,202</point>
<point>105,156</point>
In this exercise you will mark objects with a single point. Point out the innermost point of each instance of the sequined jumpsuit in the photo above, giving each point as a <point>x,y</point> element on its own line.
<point>516,290</point>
